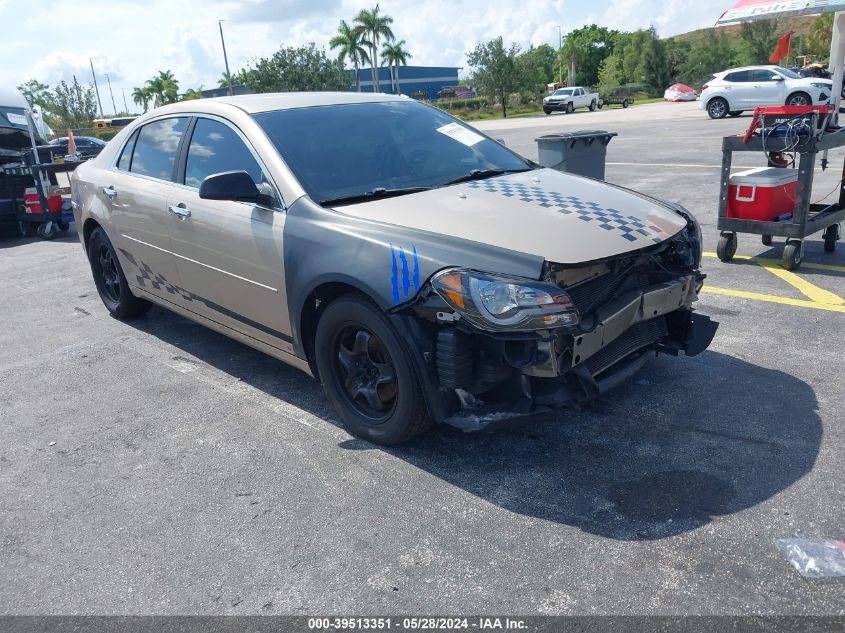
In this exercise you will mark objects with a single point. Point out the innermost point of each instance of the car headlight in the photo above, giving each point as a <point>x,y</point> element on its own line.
<point>822,85</point>
<point>494,302</point>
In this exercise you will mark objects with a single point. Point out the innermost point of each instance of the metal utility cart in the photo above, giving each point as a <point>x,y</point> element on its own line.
<point>806,218</point>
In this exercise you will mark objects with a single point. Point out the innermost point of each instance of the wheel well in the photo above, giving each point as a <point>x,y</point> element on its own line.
<point>712,99</point>
<point>800,92</point>
<point>87,229</point>
<point>313,307</point>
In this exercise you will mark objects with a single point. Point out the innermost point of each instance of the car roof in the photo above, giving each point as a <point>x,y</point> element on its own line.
<point>252,104</point>
<point>758,67</point>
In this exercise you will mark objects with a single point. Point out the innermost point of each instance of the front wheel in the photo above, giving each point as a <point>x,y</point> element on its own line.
<point>547,111</point>
<point>726,247</point>
<point>792,255</point>
<point>110,280</point>
<point>799,99</point>
<point>367,373</point>
<point>831,234</point>
<point>570,108</point>
<point>47,230</point>
<point>717,108</point>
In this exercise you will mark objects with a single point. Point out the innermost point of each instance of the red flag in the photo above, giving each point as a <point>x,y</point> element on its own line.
<point>782,48</point>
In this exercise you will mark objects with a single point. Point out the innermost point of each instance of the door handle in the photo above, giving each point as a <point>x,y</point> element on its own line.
<point>182,212</point>
<point>110,192</point>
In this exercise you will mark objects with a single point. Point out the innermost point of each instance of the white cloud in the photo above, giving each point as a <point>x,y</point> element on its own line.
<point>133,39</point>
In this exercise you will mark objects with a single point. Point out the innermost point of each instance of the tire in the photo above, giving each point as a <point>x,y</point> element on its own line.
<point>547,111</point>
<point>717,108</point>
<point>625,103</point>
<point>26,229</point>
<point>367,373</point>
<point>63,226</point>
<point>767,240</point>
<point>831,234</point>
<point>570,108</point>
<point>735,113</point>
<point>593,106</point>
<point>792,255</point>
<point>601,103</point>
<point>726,248</point>
<point>47,230</point>
<point>799,99</point>
<point>110,280</point>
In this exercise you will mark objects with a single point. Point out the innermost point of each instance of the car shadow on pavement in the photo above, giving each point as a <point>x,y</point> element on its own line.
<point>687,441</point>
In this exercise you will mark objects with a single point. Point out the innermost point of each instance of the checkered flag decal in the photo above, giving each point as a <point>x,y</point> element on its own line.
<point>629,227</point>
<point>146,274</point>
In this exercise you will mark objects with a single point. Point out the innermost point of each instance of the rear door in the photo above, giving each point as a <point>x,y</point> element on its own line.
<point>229,254</point>
<point>136,191</point>
<point>738,90</point>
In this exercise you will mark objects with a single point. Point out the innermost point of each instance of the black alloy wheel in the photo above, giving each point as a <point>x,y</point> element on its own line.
<point>109,278</point>
<point>107,269</point>
<point>366,371</point>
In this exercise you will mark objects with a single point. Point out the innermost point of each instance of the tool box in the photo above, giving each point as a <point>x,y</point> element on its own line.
<point>762,194</point>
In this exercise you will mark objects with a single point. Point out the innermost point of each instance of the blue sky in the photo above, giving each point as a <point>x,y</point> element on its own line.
<point>132,39</point>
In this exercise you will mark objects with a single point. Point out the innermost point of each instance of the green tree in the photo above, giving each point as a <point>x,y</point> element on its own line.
<point>141,96</point>
<point>536,67</point>
<point>394,55</point>
<point>292,69</point>
<point>192,93</point>
<point>71,105</point>
<point>373,26</point>
<point>712,55</point>
<point>610,74</point>
<point>494,69</point>
<point>350,45</point>
<point>757,42</point>
<point>36,93</point>
<point>583,51</point>
<point>818,39</point>
<point>677,52</point>
<point>164,88</point>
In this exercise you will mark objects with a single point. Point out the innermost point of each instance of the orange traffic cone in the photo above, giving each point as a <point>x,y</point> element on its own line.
<point>71,144</point>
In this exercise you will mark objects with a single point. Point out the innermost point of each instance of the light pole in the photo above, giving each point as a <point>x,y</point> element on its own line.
<point>559,60</point>
<point>96,88</point>
<point>125,107</point>
<point>225,58</point>
<point>114,107</point>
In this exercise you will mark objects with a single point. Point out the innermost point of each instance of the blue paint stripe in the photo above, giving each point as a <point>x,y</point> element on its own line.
<point>416,269</point>
<point>394,276</point>
<point>406,281</point>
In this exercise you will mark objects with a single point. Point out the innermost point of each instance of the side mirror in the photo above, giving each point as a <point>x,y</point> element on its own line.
<point>232,185</point>
<point>778,78</point>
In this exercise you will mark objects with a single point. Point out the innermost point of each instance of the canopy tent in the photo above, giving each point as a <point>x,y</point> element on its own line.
<point>748,10</point>
<point>679,92</point>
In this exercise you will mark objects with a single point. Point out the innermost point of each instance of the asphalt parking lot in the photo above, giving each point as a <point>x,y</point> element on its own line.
<point>156,467</point>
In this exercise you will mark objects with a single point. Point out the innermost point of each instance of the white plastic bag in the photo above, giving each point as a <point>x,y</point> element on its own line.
<point>814,558</point>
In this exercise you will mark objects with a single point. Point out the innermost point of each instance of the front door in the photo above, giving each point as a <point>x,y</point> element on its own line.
<point>768,90</point>
<point>229,254</point>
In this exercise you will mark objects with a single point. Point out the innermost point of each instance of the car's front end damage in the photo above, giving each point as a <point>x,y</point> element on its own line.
<point>497,348</point>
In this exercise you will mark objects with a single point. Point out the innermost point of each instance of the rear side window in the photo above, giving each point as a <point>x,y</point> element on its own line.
<point>739,76</point>
<point>126,155</point>
<point>157,146</point>
<point>215,148</point>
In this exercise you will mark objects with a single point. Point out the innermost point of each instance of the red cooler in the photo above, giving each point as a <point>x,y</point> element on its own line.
<point>762,194</point>
<point>32,200</point>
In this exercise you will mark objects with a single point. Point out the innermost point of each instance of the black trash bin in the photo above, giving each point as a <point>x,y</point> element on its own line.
<point>582,153</point>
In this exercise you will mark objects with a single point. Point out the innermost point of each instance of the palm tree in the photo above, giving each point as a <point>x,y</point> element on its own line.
<point>192,93</point>
<point>373,27</point>
<point>141,96</point>
<point>395,55</point>
<point>164,88</point>
<point>350,42</point>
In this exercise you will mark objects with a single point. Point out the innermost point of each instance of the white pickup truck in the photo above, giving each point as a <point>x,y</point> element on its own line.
<point>567,99</point>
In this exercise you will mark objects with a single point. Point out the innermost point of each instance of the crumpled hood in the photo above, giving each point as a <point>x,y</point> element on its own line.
<point>562,218</point>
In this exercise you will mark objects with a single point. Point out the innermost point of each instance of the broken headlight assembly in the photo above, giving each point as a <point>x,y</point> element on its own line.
<point>494,302</point>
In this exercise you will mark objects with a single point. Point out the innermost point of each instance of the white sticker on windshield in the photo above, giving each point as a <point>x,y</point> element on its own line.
<point>461,134</point>
<point>17,119</point>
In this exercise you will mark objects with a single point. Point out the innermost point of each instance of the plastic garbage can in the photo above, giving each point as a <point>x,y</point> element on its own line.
<point>582,153</point>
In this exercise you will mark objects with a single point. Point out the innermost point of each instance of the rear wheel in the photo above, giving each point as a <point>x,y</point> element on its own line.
<point>717,108</point>
<point>593,106</point>
<point>110,280</point>
<point>48,230</point>
<point>831,234</point>
<point>767,240</point>
<point>792,255</point>
<point>726,248</point>
<point>367,373</point>
<point>625,103</point>
<point>799,99</point>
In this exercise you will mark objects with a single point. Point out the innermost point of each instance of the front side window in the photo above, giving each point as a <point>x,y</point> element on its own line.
<point>763,75</point>
<point>347,150</point>
<point>215,148</point>
<point>156,148</point>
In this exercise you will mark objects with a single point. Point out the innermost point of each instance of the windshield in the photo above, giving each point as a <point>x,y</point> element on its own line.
<point>787,73</point>
<point>563,93</point>
<point>348,150</point>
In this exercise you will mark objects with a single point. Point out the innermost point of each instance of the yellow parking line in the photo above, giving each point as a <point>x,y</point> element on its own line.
<point>759,296</point>
<point>804,264</point>
<point>812,292</point>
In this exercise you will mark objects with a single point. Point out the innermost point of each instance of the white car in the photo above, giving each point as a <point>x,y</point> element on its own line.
<point>733,91</point>
<point>568,99</point>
